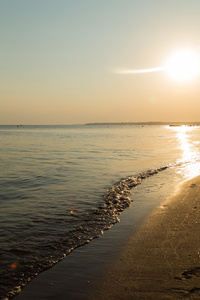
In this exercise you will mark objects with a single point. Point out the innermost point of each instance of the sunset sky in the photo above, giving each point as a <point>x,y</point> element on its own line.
<point>61,61</point>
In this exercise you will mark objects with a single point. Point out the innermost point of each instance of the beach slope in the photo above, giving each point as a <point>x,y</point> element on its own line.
<point>162,260</point>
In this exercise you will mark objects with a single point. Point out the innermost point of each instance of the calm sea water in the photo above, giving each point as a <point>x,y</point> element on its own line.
<point>62,186</point>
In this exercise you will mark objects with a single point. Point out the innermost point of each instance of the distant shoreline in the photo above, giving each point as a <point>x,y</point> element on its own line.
<point>107,124</point>
<point>147,123</point>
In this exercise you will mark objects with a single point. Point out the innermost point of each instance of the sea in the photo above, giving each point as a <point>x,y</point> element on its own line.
<point>63,186</point>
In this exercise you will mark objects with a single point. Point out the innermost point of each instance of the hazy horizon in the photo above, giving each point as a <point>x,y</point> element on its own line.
<point>99,122</point>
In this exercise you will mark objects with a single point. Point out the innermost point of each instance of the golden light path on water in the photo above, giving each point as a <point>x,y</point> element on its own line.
<point>190,154</point>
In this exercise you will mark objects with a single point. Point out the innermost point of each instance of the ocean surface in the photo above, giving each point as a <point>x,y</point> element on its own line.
<point>62,186</point>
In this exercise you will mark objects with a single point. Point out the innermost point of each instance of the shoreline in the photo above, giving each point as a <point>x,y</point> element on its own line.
<point>103,267</point>
<point>162,260</point>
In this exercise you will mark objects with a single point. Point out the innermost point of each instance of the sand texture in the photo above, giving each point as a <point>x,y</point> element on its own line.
<point>162,260</point>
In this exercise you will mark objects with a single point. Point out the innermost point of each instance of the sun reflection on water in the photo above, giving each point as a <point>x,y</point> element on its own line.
<point>190,153</point>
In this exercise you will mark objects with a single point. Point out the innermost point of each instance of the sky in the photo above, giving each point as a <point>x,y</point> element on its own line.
<point>60,61</point>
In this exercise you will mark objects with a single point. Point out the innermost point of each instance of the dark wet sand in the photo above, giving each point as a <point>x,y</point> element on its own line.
<point>160,261</point>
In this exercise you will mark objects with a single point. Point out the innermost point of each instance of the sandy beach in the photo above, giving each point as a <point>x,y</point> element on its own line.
<point>160,261</point>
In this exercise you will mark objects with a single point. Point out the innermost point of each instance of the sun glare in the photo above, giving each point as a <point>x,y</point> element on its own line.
<point>184,65</point>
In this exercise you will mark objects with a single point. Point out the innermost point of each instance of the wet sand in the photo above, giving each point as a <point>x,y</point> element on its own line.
<point>162,260</point>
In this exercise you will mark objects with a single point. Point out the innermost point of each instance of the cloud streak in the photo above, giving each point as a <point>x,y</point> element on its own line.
<point>141,71</point>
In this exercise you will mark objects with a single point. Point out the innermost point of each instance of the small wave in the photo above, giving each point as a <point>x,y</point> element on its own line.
<point>117,197</point>
<point>19,251</point>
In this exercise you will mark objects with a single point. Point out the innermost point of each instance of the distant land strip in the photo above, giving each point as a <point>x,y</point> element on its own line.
<point>147,123</point>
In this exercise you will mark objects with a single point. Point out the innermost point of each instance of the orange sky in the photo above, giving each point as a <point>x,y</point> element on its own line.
<point>58,60</point>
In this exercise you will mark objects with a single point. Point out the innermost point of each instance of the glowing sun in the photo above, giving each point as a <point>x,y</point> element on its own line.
<point>184,65</point>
